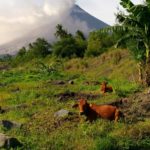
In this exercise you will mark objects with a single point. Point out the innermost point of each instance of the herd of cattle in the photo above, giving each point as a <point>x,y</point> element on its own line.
<point>93,111</point>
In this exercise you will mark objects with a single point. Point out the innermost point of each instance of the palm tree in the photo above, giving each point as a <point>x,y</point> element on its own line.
<point>80,35</point>
<point>60,32</point>
<point>136,26</point>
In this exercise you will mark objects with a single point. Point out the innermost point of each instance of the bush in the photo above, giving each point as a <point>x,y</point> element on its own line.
<point>40,48</point>
<point>50,69</point>
<point>107,143</point>
<point>98,43</point>
<point>68,47</point>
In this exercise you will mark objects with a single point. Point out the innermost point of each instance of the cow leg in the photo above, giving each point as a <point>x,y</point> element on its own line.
<point>116,115</point>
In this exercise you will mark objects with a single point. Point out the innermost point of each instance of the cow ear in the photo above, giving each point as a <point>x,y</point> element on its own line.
<point>75,105</point>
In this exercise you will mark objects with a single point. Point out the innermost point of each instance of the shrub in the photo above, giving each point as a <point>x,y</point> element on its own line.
<point>50,69</point>
<point>69,47</point>
<point>107,143</point>
<point>98,43</point>
<point>40,48</point>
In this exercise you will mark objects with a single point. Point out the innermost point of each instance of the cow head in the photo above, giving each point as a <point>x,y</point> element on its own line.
<point>82,105</point>
<point>104,83</point>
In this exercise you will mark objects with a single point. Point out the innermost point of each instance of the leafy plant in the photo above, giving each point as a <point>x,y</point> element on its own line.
<point>50,69</point>
<point>135,25</point>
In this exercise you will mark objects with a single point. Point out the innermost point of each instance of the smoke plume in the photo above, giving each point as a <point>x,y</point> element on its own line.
<point>35,18</point>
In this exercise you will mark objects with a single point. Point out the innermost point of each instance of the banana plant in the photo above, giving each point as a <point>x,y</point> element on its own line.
<point>135,25</point>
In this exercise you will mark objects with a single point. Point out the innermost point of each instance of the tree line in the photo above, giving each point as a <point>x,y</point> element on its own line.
<point>68,45</point>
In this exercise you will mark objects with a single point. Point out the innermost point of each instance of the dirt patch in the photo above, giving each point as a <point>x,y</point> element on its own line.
<point>60,82</point>
<point>137,107</point>
<point>62,97</point>
<point>15,90</point>
<point>120,103</point>
<point>12,108</point>
<point>3,84</point>
<point>57,82</point>
<point>22,107</point>
<point>4,67</point>
<point>46,123</point>
<point>92,83</point>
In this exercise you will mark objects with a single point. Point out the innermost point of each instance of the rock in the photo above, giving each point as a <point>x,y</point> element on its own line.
<point>87,83</point>
<point>1,110</point>
<point>9,142</point>
<point>71,82</point>
<point>61,113</point>
<point>10,124</point>
<point>58,82</point>
<point>15,90</point>
<point>3,139</point>
<point>66,95</point>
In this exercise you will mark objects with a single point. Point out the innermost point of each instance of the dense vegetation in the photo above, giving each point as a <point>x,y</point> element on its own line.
<point>32,93</point>
<point>135,25</point>
<point>44,78</point>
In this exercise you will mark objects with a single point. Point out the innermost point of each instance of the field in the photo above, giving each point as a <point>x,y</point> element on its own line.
<point>31,93</point>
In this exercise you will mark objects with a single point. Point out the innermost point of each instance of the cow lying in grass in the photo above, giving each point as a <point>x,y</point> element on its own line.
<point>93,111</point>
<point>105,88</point>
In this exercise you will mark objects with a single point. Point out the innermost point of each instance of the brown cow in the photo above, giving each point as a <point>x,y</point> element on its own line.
<point>105,88</point>
<point>92,111</point>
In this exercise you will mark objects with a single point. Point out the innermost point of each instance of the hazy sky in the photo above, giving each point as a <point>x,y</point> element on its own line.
<point>18,17</point>
<point>103,9</point>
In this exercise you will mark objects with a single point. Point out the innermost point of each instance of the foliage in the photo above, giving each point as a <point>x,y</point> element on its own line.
<point>40,48</point>
<point>69,47</point>
<point>80,35</point>
<point>6,58</point>
<point>22,52</point>
<point>135,24</point>
<point>60,32</point>
<point>53,68</point>
<point>98,43</point>
<point>107,143</point>
<point>31,94</point>
<point>65,48</point>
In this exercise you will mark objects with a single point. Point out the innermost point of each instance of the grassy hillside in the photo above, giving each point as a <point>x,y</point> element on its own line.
<point>31,93</point>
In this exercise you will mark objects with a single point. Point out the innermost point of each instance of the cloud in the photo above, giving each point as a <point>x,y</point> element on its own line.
<point>57,7</point>
<point>19,18</point>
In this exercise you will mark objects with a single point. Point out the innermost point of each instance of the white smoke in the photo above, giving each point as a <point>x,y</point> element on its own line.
<point>36,18</point>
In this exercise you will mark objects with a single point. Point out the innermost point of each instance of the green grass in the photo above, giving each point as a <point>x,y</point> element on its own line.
<point>27,85</point>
